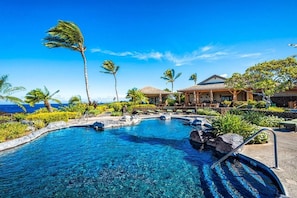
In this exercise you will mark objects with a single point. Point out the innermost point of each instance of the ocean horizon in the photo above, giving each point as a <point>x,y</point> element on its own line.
<point>13,108</point>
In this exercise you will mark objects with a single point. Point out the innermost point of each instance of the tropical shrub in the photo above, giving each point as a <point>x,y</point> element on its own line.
<point>253,116</point>
<point>252,102</point>
<point>240,104</point>
<point>261,104</point>
<point>116,106</point>
<point>38,124</point>
<point>227,103</point>
<point>276,109</point>
<point>19,116</point>
<point>269,121</point>
<point>4,119</point>
<point>12,130</point>
<point>207,111</point>
<point>52,117</point>
<point>230,123</point>
<point>116,113</point>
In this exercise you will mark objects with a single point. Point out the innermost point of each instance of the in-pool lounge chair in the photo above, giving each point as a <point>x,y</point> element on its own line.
<point>289,124</point>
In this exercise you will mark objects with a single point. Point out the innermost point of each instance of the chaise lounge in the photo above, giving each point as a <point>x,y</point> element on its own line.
<point>289,124</point>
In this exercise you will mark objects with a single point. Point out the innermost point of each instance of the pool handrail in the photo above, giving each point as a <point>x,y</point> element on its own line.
<point>247,141</point>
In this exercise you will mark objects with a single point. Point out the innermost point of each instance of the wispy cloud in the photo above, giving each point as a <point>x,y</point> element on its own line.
<point>206,53</point>
<point>250,55</point>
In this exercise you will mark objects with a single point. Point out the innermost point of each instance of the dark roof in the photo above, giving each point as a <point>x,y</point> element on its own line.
<point>213,77</point>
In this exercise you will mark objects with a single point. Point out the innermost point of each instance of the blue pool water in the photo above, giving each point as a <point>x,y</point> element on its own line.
<point>152,159</point>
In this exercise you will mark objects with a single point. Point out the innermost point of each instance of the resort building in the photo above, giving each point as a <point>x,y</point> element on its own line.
<point>212,91</point>
<point>155,96</point>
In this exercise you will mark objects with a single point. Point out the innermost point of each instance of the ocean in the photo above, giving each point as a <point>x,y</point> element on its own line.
<point>12,108</point>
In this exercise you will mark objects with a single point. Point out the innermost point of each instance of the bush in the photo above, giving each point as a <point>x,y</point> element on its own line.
<point>270,121</point>
<point>253,117</point>
<point>276,109</point>
<point>12,130</point>
<point>5,119</point>
<point>46,118</point>
<point>116,106</point>
<point>227,103</point>
<point>116,113</point>
<point>252,102</point>
<point>19,116</point>
<point>230,123</point>
<point>207,111</point>
<point>240,104</point>
<point>261,104</point>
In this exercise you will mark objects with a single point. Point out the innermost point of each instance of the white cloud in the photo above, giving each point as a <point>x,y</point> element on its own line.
<point>250,55</point>
<point>206,53</point>
<point>224,75</point>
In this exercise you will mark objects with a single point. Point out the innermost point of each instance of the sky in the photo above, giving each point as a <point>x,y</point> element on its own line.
<point>144,38</point>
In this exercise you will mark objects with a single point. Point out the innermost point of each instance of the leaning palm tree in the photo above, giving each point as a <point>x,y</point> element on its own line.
<point>169,75</point>
<point>38,95</point>
<point>194,78</point>
<point>6,91</point>
<point>68,35</point>
<point>75,100</point>
<point>111,68</point>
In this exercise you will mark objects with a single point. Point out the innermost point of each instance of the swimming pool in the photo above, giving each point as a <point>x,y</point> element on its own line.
<point>152,159</point>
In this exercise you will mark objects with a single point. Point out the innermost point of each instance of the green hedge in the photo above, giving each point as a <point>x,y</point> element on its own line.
<point>52,117</point>
<point>12,130</point>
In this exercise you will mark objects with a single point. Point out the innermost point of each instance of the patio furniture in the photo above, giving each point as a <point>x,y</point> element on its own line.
<point>289,124</point>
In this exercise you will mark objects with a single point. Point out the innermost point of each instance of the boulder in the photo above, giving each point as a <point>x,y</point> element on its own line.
<point>227,142</point>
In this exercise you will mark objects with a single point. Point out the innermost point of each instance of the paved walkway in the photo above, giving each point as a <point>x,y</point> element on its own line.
<point>287,158</point>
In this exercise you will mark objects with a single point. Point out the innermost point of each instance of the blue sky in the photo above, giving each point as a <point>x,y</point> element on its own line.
<point>144,38</point>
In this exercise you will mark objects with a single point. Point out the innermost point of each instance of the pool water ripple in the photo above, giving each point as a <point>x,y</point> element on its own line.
<point>152,159</point>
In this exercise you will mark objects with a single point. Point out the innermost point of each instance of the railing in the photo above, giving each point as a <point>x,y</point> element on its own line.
<point>247,141</point>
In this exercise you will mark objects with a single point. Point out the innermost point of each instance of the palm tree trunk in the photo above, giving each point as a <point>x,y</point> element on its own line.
<point>172,87</point>
<point>48,106</point>
<point>115,86</point>
<point>86,76</point>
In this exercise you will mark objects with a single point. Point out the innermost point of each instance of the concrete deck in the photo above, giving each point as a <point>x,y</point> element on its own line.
<point>287,158</point>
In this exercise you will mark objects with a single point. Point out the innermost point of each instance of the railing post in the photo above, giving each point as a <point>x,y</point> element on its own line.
<point>247,141</point>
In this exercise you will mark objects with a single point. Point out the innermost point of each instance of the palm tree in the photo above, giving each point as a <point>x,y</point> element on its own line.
<point>68,35</point>
<point>169,75</point>
<point>74,100</point>
<point>136,96</point>
<point>111,68</point>
<point>6,91</point>
<point>38,95</point>
<point>194,78</point>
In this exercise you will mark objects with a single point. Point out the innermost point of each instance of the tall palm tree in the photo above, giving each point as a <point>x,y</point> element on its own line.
<point>194,78</point>
<point>68,35</point>
<point>38,95</point>
<point>169,75</point>
<point>6,91</point>
<point>111,68</point>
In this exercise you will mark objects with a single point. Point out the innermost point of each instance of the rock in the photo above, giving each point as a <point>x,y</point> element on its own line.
<point>227,142</point>
<point>56,125</point>
<point>197,136</point>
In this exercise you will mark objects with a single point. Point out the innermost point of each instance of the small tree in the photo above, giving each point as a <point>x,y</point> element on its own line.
<point>136,96</point>
<point>39,95</point>
<point>7,90</point>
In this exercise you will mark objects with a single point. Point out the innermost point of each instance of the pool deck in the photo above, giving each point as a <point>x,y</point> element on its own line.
<point>287,158</point>
<point>264,153</point>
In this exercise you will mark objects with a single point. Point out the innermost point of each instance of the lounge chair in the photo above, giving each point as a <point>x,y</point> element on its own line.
<point>289,124</point>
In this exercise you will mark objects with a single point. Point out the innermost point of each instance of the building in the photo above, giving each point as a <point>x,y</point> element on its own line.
<point>155,96</point>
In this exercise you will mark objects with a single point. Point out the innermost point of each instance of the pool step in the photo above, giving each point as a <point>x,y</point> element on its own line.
<point>239,177</point>
<point>235,179</point>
